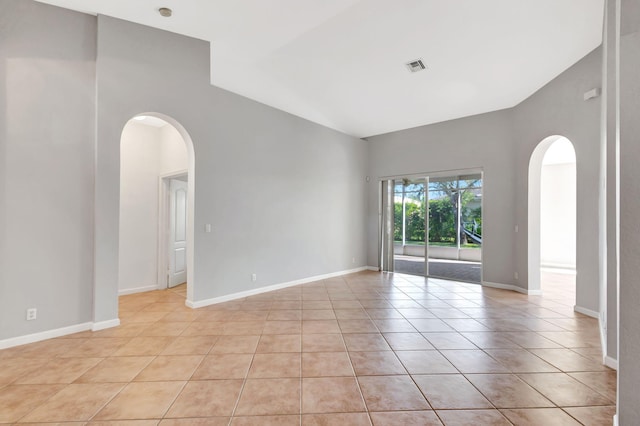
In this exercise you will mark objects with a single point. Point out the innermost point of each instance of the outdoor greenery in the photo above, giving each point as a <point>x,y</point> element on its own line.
<point>442,212</point>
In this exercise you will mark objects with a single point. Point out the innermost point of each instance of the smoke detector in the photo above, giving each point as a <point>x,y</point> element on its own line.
<point>415,65</point>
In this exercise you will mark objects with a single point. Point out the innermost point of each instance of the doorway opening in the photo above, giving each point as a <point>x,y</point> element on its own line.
<point>156,207</point>
<point>434,226</point>
<point>552,219</point>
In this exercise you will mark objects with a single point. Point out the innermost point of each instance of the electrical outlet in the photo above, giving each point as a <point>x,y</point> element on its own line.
<point>32,313</point>
<point>515,275</point>
<point>254,277</point>
<point>353,260</point>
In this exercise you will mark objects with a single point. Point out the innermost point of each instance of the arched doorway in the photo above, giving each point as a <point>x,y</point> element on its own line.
<point>156,206</point>
<point>552,218</point>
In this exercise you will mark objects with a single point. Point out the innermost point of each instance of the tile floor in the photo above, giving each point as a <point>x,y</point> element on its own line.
<point>367,348</point>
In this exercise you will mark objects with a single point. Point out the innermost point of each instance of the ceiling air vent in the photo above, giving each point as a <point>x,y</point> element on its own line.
<point>416,65</point>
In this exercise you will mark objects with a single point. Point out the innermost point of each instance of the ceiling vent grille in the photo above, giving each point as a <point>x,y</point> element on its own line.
<point>415,65</point>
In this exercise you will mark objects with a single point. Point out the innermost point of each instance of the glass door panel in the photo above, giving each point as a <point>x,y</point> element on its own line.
<point>409,231</point>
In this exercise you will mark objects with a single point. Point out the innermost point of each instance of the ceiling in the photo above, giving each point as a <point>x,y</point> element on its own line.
<point>341,63</point>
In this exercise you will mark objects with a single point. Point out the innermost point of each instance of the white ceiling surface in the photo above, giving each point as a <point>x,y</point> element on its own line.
<point>340,63</point>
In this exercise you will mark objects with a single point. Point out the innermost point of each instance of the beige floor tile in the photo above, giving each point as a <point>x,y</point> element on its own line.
<point>407,418</point>
<point>521,361</point>
<point>285,315</point>
<point>123,423</point>
<point>508,391</point>
<point>207,421</point>
<point>331,395</point>
<point>447,392</point>
<point>59,370</point>
<point>592,416</point>
<point>18,400</point>
<point>140,346</point>
<point>564,390</point>
<point>323,343</point>
<point>568,360</point>
<point>243,328</point>
<point>425,362</point>
<point>407,341</point>
<point>474,361</point>
<point>605,382</point>
<point>266,421</point>
<point>172,367</point>
<point>473,417</point>
<point>190,345</point>
<point>357,326</point>
<point>351,419</point>
<point>391,393</point>
<point>208,398</point>
<point>320,327</point>
<point>326,364</point>
<point>444,341</point>
<point>351,314</point>
<point>272,343</point>
<point>204,328</point>
<point>223,366</point>
<point>116,370</point>
<point>366,342</point>
<point>14,368</point>
<point>275,365</point>
<point>165,328</point>
<point>269,396</point>
<point>282,327</point>
<point>376,363</point>
<point>145,400</point>
<point>76,402</point>
<point>539,416</point>
<point>96,348</point>
<point>235,345</point>
<point>318,314</point>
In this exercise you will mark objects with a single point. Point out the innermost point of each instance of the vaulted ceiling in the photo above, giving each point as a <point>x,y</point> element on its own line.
<point>341,63</point>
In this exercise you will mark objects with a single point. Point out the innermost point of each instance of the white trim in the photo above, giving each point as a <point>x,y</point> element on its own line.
<point>615,419</point>
<point>373,268</point>
<point>253,292</point>
<point>101,325</point>
<point>611,362</point>
<point>126,291</point>
<point>512,288</point>
<point>585,311</point>
<point>44,335</point>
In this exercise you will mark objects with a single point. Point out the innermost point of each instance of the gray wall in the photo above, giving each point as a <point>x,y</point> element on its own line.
<point>47,112</point>
<point>559,109</point>
<point>629,367</point>
<point>501,143</point>
<point>285,196</point>
<point>483,141</point>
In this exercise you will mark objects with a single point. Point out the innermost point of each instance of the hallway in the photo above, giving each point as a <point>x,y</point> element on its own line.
<point>362,349</point>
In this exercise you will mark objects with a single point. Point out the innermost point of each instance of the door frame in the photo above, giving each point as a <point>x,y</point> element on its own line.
<point>163,227</point>
<point>426,176</point>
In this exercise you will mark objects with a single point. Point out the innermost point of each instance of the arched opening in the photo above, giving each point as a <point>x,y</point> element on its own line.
<point>552,218</point>
<point>156,215</point>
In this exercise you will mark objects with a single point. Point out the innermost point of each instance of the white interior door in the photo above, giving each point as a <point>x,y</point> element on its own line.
<point>177,232</point>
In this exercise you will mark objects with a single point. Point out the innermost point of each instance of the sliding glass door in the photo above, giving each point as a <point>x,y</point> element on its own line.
<point>455,227</point>
<point>432,226</point>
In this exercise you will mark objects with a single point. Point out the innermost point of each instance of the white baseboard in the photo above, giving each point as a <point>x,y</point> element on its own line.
<point>44,335</point>
<point>101,325</point>
<point>512,288</point>
<point>58,332</point>
<point>611,362</point>
<point>587,312</point>
<point>615,420</point>
<point>135,290</point>
<point>253,292</point>
<point>373,268</point>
